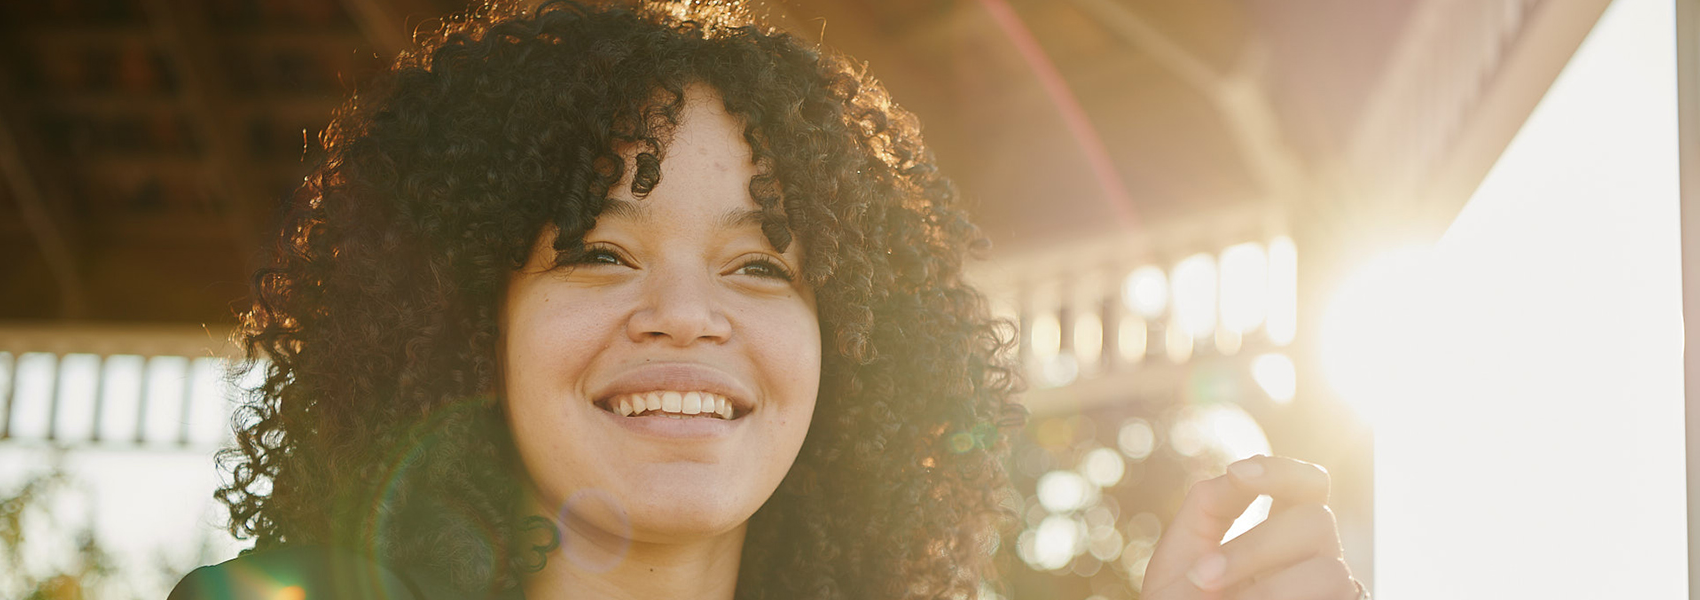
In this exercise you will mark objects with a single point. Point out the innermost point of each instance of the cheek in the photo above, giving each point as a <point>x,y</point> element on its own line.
<point>790,355</point>
<point>549,343</point>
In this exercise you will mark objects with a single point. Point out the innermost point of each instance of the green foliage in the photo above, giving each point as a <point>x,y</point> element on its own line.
<point>24,510</point>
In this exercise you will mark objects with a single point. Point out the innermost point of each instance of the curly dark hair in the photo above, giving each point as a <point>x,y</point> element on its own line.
<point>378,425</point>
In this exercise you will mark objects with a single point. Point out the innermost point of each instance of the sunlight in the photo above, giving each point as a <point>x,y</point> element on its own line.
<point>1524,377</point>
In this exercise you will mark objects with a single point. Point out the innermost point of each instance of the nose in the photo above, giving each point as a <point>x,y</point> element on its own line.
<point>679,308</point>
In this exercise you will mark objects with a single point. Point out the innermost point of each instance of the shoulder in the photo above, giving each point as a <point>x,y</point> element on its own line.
<point>312,572</point>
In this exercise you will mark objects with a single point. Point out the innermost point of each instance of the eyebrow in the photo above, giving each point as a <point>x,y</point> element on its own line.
<point>736,218</point>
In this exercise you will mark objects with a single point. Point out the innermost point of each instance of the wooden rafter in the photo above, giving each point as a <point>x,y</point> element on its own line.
<point>179,29</point>
<point>52,235</point>
<point>1246,109</point>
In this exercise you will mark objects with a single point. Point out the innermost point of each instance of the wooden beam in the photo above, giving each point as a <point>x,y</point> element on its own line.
<point>41,215</point>
<point>1459,85</point>
<point>49,233</point>
<point>1247,112</point>
<point>180,30</point>
<point>1688,147</point>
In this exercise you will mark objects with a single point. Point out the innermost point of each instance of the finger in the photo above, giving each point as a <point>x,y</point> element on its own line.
<point>1286,480</point>
<point>1204,517</point>
<point>1306,531</point>
<point>1320,578</point>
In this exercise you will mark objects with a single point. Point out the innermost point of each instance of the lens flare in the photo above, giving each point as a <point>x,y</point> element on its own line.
<point>598,505</point>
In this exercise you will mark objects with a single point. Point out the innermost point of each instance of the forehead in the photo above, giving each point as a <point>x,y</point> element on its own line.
<point>709,137</point>
<point>705,172</point>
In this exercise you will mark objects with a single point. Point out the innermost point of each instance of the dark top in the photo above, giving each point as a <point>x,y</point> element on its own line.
<point>317,574</point>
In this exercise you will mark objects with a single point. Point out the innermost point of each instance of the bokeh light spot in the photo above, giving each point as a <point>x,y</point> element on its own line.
<point>1195,295</point>
<point>1137,439</point>
<point>1063,491</point>
<point>1245,286</point>
<point>961,442</point>
<point>1103,467</point>
<point>1056,542</point>
<point>1088,339</point>
<point>1228,342</point>
<point>1060,370</point>
<point>1105,543</point>
<point>1131,338</point>
<point>1177,343</point>
<point>1045,335</point>
<point>1053,433</point>
<point>1146,292</point>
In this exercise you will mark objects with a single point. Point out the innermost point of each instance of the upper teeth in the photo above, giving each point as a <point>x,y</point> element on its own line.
<point>673,403</point>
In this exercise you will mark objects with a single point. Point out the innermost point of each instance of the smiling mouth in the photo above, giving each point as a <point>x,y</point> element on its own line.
<point>677,405</point>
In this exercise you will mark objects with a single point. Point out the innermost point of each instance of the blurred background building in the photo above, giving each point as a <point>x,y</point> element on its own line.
<point>1175,191</point>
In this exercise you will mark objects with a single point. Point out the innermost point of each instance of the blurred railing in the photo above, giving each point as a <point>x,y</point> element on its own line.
<point>1126,317</point>
<point>1152,360</point>
<point>123,386</point>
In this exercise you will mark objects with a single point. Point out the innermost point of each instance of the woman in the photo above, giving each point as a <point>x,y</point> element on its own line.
<point>607,303</point>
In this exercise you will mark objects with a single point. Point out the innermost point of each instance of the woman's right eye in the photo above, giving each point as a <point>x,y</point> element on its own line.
<point>598,255</point>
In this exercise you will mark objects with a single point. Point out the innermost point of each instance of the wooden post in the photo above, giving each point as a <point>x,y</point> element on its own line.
<point>1688,143</point>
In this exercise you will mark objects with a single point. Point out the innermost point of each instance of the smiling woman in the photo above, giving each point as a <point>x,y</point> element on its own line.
<point>651,303</point>
<point>612,302</point>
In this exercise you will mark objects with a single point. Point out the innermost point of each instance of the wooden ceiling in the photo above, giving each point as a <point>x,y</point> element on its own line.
<point>144,143</point>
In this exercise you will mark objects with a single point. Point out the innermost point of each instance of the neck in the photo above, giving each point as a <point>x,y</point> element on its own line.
<point>592,564</point>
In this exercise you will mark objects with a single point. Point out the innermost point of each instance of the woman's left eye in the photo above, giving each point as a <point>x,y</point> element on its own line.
<point>767,268</point>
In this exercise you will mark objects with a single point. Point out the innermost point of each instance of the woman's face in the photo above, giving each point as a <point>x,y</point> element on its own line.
<point>682,311</point>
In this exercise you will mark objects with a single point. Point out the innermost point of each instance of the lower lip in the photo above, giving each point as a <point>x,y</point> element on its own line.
<point>688,428</point>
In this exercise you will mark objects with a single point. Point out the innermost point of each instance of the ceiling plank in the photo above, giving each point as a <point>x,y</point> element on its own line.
<point>180,30</point>
<point>52,235</point>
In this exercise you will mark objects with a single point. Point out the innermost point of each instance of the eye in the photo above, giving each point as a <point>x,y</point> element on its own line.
<point>766,268</point>
<point>597,254</point>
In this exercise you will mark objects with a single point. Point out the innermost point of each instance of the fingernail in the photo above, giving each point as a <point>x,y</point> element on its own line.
<point>1208,571</point>
<point>1246,469</point>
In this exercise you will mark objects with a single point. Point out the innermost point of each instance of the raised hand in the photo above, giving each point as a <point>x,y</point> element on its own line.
<point>1293,555</point>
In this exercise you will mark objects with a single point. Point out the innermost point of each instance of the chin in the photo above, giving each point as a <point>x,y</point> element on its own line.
<point>688,501</point>
<point>668,521</point>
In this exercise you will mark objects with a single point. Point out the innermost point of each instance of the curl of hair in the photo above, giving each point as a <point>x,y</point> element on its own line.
<point>377,425</point>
